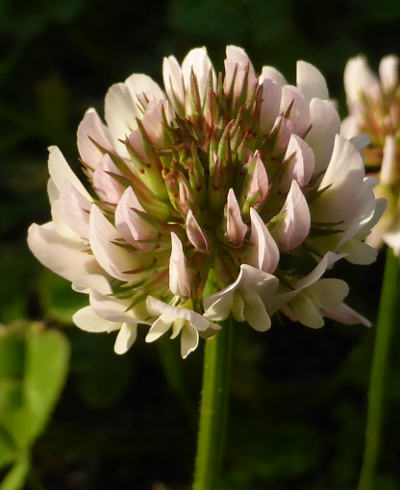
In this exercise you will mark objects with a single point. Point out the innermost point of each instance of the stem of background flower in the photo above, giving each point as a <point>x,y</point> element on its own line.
<point>213,410</point>
<point>387,319</point>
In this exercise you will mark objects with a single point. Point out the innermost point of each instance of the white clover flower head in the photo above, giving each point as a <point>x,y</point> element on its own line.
<point>235,183</point>
<point>374,109</point>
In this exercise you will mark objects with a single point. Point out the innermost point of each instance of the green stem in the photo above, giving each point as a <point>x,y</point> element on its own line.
<point>387,319</point>
<point>213,410</point>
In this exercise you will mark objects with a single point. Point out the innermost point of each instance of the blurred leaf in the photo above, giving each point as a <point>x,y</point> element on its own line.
<point>15,479</point>
<point>58,300</point>
<point>7,450</point>
<point>30,401</point>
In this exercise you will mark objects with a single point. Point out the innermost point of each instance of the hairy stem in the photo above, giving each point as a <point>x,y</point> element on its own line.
<point>213,410</point>
<point>387,319</point>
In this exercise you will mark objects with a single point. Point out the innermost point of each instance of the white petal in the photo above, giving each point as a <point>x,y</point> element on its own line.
<point>271,101</point>
<point>173,79</point>
<point>125,338</point>
<point>198,61</point>
<point>87,320</point>
<point>349,127</point>
<point>74,209</point>
<point>264,253</point>
<point>156,307</point>
<point>67,258</point>
<point>159,327</point>
<point>328,293</point>
<point>293,99</point>
<point>143,89</point>
<point>271,73</point>
<point>218,306</point>
<point>116,309</point>
<point>294,227</point>
<point>255,313</point>
<point>301,166</point>
<point>306,311</point>
<point>189,340</point>
<point>325,124</point>
<point>96,282</point>
<point>91,130</point>
<point>61,173</point>
<point>344,176</point>
<point>389,72</point>
<point>311,81</point>
<point>120,112</point>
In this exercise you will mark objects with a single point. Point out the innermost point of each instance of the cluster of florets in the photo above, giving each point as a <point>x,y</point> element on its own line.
<point>374,107</point>
<point>229,194</point>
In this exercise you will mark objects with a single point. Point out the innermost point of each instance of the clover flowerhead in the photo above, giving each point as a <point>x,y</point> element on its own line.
<point>219,194</point>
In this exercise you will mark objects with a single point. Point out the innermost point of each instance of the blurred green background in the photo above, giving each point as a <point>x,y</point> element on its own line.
<point>298,400</point>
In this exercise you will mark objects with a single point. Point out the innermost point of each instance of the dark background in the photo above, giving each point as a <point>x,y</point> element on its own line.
<point>298,397</point>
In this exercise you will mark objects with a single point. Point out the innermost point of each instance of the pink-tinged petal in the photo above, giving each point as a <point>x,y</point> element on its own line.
<point>259,186</point>
<point>294,227</point>
<point>389,170</point>
<point>114,259</point>
<point>342,181</point>
<point>87,320</point>
<point>263,252</point>
<point>197,60</point>
<point>349,127</point>
<point>311,81</point>
<point>235,227</point>
<point>125,338</point>
<point>389,72</point>
<point>132,227</point>
<point>90,282</point>
<point>61,173</point>
<point>271,101</point>
<point>301,166</point>
<point>325,124</point>
<point>196,235</point>
<point>74,209</point>
<point>271,73</point>
<point>156,307</point>
<point>189,340</point>
<point>104,182</point>
<point>153,122</point>
<point>173,80</point>
<point>345,314</point>
<point>67,258</point>
<point>116,309</point>
<point>143,90</point>
<point>359,80</point>
<point>92,134</point>
<point>292,100</point>
<point>286,128</point>
<point>120,113</point>
<point>180,275</point>
<point>255,313</point>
